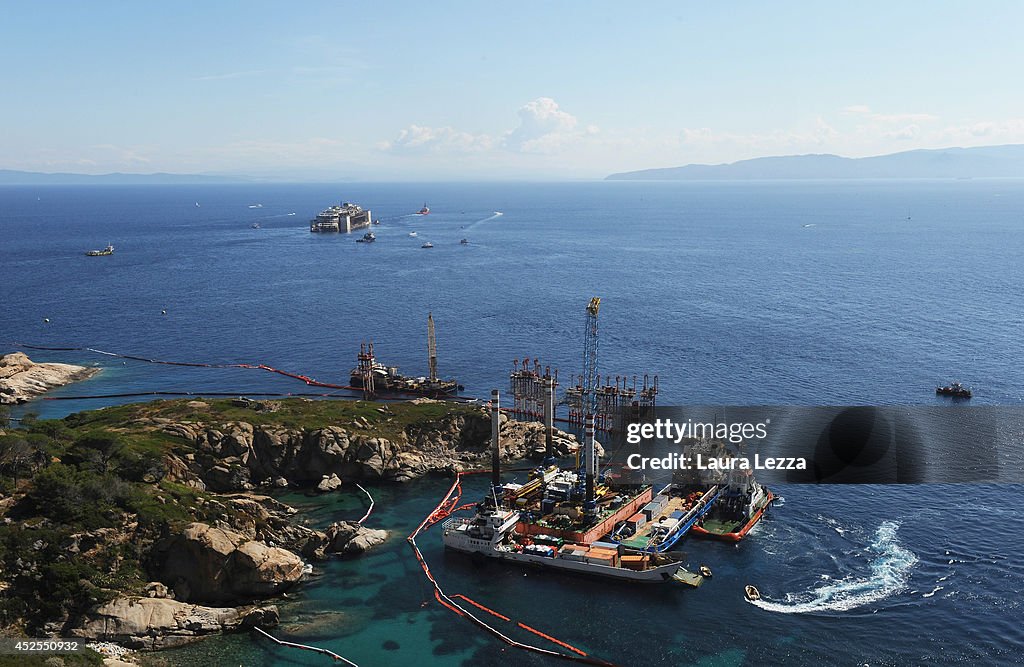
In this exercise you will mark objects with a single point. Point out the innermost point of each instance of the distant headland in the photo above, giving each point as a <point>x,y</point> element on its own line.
<point>14,177</point>
<point>980,162</point>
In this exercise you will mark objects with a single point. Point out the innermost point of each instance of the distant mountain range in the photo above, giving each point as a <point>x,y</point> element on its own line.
<point>11,177</point>
<point>981,162</point>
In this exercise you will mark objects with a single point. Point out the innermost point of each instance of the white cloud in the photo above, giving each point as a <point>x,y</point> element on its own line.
<point>1008,131</point>
<point>420,139</point>
<point>912,131</point>
<point>866,112</point>
<point>820,134</point>
<point>544,128</point>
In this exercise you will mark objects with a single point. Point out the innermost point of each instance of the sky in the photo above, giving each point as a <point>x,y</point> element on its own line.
<point>480,90</point>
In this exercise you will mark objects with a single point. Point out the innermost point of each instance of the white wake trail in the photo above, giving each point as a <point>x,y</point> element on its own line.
<point>889,571</point>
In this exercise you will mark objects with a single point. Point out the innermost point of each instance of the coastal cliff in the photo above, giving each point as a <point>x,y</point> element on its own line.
<point>151,525</point>
<point>21,379</point>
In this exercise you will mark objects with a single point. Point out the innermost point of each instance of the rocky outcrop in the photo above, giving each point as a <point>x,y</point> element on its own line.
<point>209,564</point>
<point>329,483</point>
<point>349,537</point>
<point>238,456</point>
<point>21,379</point>
<point>155,623</point>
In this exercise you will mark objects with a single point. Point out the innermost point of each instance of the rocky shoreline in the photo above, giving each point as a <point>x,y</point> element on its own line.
<point>21,379</point>
<point>238,455</point>
<point>208,548</point>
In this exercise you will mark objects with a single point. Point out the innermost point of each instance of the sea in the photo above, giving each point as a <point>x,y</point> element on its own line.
<point>795,293</point>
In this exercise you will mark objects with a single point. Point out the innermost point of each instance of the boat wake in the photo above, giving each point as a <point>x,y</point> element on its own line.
<point>889,571</point>
<point>497,214</point>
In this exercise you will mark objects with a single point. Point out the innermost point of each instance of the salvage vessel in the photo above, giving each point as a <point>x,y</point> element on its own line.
<point>378,379</point>
<point>550,522</point>
<point>741,501</point>
<point>109,250</point>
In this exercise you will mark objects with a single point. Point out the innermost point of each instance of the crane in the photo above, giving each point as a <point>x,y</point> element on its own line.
<point>588,402</point>
<point>431,348</point>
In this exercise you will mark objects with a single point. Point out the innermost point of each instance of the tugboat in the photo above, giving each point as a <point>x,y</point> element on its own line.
<point>428,244</point>
<point>740,503</point>
<point>954,390</point>
<point>424,211</point>
<point>368,237</point>
<point>109,250</point>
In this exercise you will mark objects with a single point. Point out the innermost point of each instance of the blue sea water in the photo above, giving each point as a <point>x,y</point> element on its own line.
<point>807,293</point>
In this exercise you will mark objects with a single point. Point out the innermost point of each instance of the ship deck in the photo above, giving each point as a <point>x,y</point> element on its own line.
<point>643,538</point>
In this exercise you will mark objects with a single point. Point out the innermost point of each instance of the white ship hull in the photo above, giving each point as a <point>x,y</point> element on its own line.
<point>457,538</point>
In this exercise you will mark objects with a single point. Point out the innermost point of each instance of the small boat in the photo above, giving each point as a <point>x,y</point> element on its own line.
<point>255,225</point>
<point>423,211</point>
<point>412,234</point>
<point>376,222</point>
<point>291,213</point>
<point>751,593</point>
<point>109,250</point>
<point>255,205</point>
<point>368,237</point>
<point>955,390</point>
<point>428,244</point>
<point>705,571</point>
<point>197,204</point>
<point>464,241</point>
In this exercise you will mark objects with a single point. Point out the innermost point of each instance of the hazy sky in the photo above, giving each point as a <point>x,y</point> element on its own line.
<point>487,90</point>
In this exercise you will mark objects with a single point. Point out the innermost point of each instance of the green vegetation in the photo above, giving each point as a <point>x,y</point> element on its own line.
<point>289,413</point>
<point>83,498</point>
<point>81,659</point>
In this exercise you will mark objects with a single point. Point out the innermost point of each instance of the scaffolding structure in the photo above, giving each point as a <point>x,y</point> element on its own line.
<point>612,397</point>
<point>527,386</point>
<point>366,366</point>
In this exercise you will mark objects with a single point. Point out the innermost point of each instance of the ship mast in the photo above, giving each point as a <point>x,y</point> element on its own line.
<point>431,347</point>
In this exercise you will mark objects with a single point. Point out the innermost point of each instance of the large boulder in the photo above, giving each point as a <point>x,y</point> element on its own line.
<point>329,483</point>
<point>155,623</point>
<point>350,537</point>
<point>217,565</point>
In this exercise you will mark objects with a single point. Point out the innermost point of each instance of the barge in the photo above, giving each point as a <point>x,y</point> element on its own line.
<point>565,519</point>
<point>377,379</point>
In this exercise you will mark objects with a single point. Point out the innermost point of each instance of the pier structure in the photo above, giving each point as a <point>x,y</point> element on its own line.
<point>344,217</point>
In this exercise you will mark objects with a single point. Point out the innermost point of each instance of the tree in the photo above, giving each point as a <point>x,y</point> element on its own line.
<point>15,454</point>
<point>99,449</point>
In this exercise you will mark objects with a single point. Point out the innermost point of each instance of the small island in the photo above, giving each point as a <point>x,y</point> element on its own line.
<point>21,379</point>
